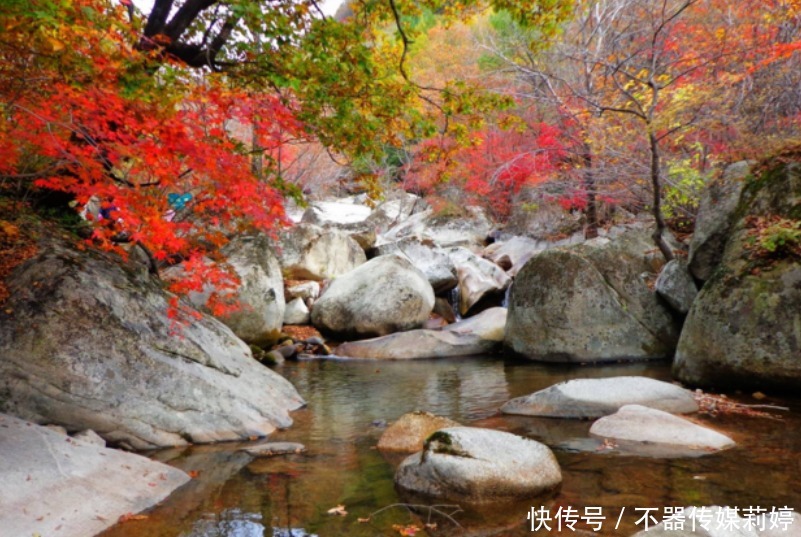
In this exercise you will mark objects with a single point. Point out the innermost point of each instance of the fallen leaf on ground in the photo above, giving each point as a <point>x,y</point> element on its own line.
<point>338,510</point>
<point>130,516</point>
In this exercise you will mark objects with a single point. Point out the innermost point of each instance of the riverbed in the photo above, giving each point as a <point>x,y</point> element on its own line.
<point>350,404</point>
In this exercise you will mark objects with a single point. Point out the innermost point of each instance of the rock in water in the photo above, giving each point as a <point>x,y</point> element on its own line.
<point>593,398</point>
<point>591,303</point>
<point>89,345</point>
<point>639,425</point>
<point>744,328</point>
<point>468,464</point>
<point>387,294</point>
<point>409,432</point>
<point>52,485</point>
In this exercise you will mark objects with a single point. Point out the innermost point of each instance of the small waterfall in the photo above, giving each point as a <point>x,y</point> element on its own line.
<point>453,300</point>
<point>507,293</point>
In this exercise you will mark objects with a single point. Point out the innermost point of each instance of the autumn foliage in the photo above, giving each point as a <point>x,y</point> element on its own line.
<point>146,149</point>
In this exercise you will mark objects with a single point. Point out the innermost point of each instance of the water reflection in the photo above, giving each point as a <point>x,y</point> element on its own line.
<point>236,496</point>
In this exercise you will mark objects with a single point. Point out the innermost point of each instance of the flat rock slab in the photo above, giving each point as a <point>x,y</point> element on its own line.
<point>410,431</point>
<point>479,466</point>
<point>594,398</point>
<point>480,334</point>
<point>55,485</point>
<point>272,449</point>
<point>638,425</point>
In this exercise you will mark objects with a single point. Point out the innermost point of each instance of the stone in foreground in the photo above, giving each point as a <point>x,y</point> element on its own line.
<point>594,398</point>
<point>636,424</point>
<point>273,449</point>
<point>54,485</point>
<point>409,432</point>
<point>479,466</point>
<point>480,334</point>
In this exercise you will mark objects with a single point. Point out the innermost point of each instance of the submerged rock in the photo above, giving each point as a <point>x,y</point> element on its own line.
<point>384,295</point>
<point>592,303</point>
<point>636,425</point>
<point>52,485</point>
<point>409,432</point>
<point>89,345</point>
<point>273,449</point>
<point>474,465</point>
<point>480,334</point>
<point>744,328</point>
<point>593,398</point>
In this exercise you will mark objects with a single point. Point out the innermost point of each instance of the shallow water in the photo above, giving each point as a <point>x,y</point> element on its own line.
<point>349,404</point>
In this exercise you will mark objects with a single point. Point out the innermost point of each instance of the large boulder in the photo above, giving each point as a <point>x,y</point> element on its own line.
<point>259,310</point>
<point>593,398</point>
<point>480,334</point>
<point>309,252</point>
<point>409,432</point>
<point>387,294</point>
<point>480,280</point>
<point>636,426</point>
<point>744,328</point>
<point>592,303</point>
<point>88,343</point>
<point>54,485</point>
<point>716,215</point>
<point>473,465</point>
<point>432,260</point>
<point>335,213</point>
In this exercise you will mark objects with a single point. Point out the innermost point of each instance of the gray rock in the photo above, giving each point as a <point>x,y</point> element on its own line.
<point>480,334</point>
<point>478,278</point>
<point>716,215</point>
<point>408,433</point>
<point>592,303</point>
<point>90,437</point>
<point>744,328</point>
<point>272,449</point>
<point>90,346</point>
<point>58,429</point>
<point>468,230</point>
<point>309,252</point>
<point>307,289</point>
<point>260,294</point>
<point>512,253</point>
<point>472,465</point>
<point>429,258</point>
<point>335,213</point>
<point>387,294</point>
<point>676,286</point>
<point>297,312</point>
<point>636,424</point>
<point>53,485</point>
<point>593,398</point>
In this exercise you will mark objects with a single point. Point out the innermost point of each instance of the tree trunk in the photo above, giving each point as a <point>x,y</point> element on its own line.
<point>591,212</point>
<point>656,184</point>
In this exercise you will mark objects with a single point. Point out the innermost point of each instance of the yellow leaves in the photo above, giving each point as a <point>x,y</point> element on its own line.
<point>9,230</point>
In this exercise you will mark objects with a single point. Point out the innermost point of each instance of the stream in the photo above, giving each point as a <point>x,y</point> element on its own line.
<point>349,405</point>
